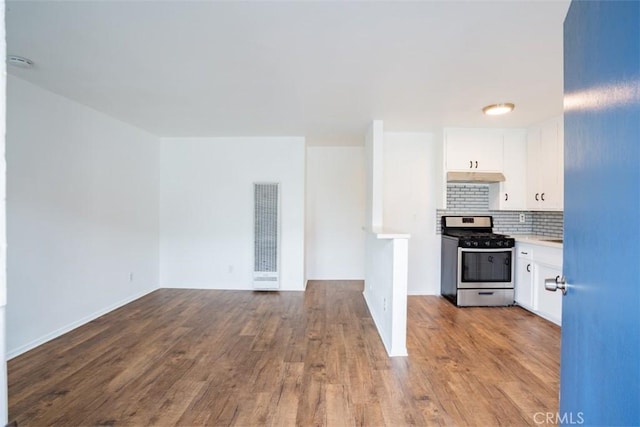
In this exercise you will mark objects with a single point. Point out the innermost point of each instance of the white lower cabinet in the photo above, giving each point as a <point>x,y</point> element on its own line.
<point>534,264</point>
<point>524,277</point>
<point>549,304</point>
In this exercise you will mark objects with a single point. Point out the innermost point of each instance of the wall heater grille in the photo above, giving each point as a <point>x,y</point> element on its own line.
<point>266,236</point>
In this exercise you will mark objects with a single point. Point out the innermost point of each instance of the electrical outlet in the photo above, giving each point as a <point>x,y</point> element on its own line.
<point>131,277</point>
<point>230,270</point>
<point>522,218</point>
<point>384,304</point>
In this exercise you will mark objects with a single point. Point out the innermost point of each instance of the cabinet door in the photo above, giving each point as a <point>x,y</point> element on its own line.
<point>560,164</point>
<point>524,282</point>
<point>549,304</point>
<point>534,161</point>
<point>550,166</point>
<point>476,150</point>
<point>512,192</point>
<point>545,166</point>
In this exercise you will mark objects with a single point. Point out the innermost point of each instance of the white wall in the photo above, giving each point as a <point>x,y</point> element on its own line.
<point>82,214</point>
<point>335,213</point>
<point>206,209</point>
<point>374,160</point>
<point>410,199</point>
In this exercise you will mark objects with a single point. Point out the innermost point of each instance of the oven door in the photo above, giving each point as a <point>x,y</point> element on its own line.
<point>485,268</point>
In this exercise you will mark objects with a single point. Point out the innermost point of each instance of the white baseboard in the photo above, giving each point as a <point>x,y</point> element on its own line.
<point>11,353</point>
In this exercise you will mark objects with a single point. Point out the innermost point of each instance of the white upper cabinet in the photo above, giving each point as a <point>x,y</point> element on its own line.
<point>545,165</point>
<point>511,194</point>
<point>531,161</point>
<point>473,150</point>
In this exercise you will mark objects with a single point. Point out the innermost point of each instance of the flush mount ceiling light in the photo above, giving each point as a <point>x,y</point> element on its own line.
<point>497,109</point>
<point>19,61</point>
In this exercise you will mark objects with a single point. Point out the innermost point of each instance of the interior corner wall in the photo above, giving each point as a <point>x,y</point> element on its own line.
<point>374,154</point>
<point>206,209</point>
<point>82,214</point>
<point>410,200</point>
<point>335,213</point>
<point>4,400</point>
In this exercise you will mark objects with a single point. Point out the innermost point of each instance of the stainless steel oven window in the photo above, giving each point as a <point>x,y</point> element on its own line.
<point>485,267</point>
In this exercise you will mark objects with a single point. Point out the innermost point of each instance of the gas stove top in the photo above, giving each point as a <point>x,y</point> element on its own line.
<point>484,240</point>
<point>475,232</point>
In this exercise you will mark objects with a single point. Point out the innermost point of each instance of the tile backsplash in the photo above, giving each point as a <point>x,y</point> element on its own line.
<point>548,223</point>
<point>473,199</point>
<point>468,197</point>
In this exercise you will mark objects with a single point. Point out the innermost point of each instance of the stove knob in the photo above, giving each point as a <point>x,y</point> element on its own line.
<point>487,243</point>
<point>467,243</point>
<point>499,243</point>
<point>475,243</point>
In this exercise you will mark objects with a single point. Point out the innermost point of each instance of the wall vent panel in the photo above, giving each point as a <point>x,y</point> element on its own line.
<point>266,232</point>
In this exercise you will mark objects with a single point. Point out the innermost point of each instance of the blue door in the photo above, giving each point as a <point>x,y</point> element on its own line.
<point>600,366</point>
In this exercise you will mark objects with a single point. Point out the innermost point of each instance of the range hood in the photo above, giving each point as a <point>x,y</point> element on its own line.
<point>475,177</point>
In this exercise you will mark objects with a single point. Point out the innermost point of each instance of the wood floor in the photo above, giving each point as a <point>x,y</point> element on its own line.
<point>200,357</point>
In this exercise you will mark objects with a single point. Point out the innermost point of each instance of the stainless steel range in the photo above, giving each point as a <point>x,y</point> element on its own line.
<point>477,264</point>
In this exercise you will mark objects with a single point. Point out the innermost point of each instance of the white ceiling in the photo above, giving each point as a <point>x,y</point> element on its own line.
<point>322,70</point>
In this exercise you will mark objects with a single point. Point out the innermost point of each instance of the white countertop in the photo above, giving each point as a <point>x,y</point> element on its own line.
<point>535,239</point>
<point>389,234</point>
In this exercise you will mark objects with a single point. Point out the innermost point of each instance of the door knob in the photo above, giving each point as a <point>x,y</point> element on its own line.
<point>556,283</point>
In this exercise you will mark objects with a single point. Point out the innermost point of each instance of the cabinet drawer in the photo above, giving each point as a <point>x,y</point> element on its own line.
<point>549,256</point>
<point>485,297</point>
<point>524,251</point>
<point>526,254</point>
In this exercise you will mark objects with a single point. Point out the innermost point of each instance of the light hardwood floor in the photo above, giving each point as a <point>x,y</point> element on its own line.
<point>201,357</point>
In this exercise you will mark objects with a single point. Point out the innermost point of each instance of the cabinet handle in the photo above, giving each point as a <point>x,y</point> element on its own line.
<point>529,268</point>
<point>506,197</point>
<point>537,198</point>
<point>524,253</point>
<point>476,164</point>
<point>542,197</point>
<point>470,164</point>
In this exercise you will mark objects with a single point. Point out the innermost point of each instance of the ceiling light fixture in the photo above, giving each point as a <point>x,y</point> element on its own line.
<point>497,109</point>
<point>19,61</point>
